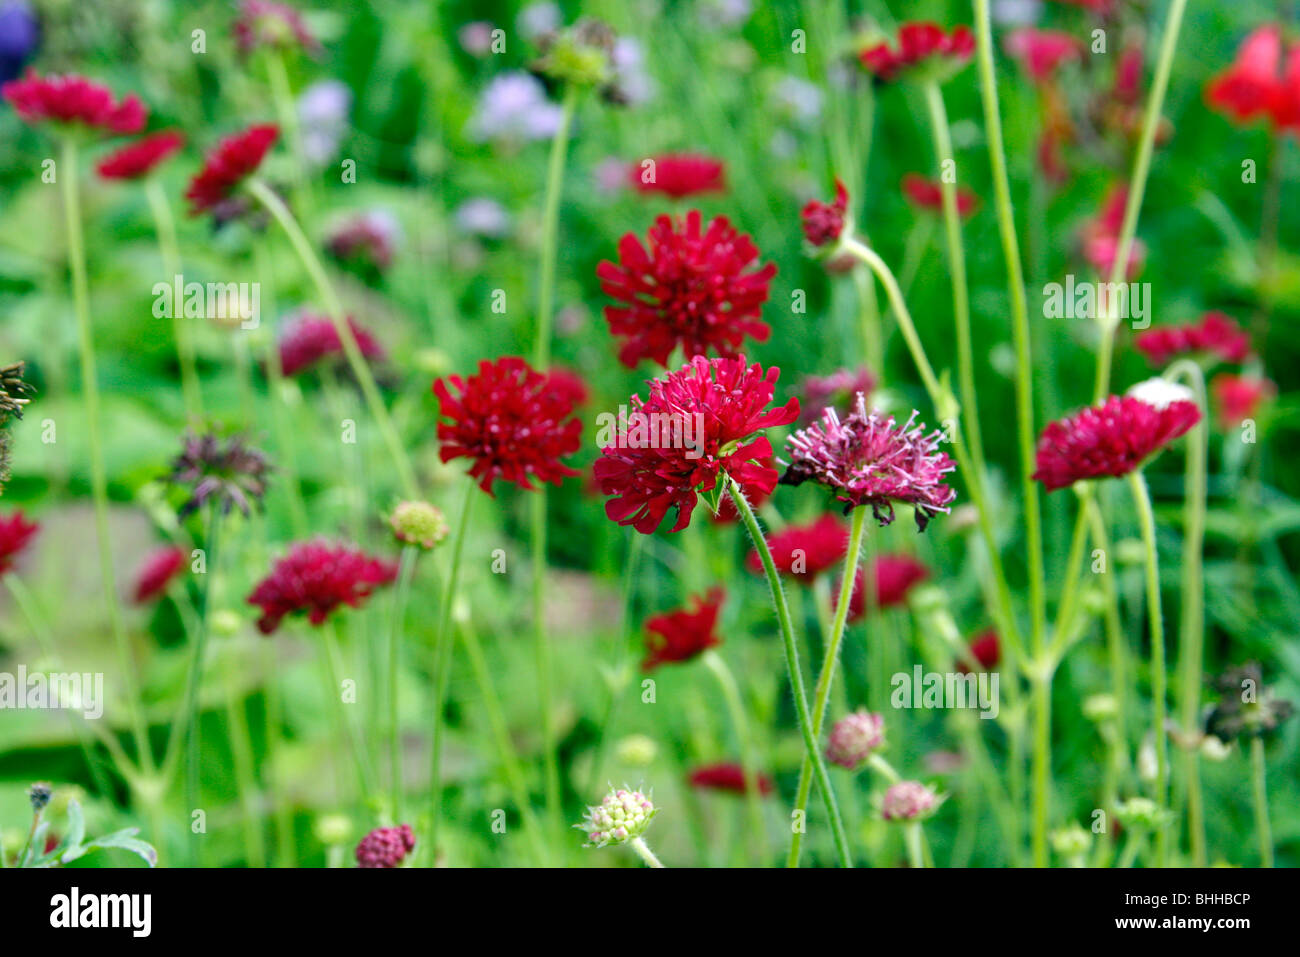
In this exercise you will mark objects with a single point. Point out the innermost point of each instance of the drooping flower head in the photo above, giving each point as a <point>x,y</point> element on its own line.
<point>365,241</point>
<point>678,175</point>
<point>1256,84</point>
<point>510,422</point>
<point>309,338</point>
<point>1216,335</point>
<point>316,577</point>
<point>924,52</point>
<point>234,160</point>
<point>73,102</point>
<point>867,459</point>
<point>729,777</point>
<point>622,816</point>
<point>418,523</point>
<point>720,405</point>
<point>1042,52</point>
<point>229,473</point>
<point>840,387</point>
<point>139,159</point>
<point>685,287</point>
<point>854,738</point>
<point>805,551</point>
<point>824,222</point>
<point>927,194</point>
<point>1238,398</point>
<point>684,634</point>
<point>385,846</point>
<point>985,649</point>
<point>156,573</point>
<point>894,577</point>
<point>16,533</point>
<point>265,24</point>
<point>909,801</point>
<point>1116,437</point>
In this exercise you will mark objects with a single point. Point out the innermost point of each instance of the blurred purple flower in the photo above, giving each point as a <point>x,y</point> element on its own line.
<point>537,19</point>
<point>798,99</point>
<point>476,38</point>
<point>483,217</point>
<point>323,112</point>
<point>725,13</point>
<point>20,34</point>
<point>633,82</point>
<point>514,107</point>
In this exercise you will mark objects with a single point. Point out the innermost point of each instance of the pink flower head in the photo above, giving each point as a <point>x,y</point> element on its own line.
<point>157,572</point>
<point>684,634</point>
<point>1042,52</point>
<point>511,421</point>
<point>870,460</point>
<point>724,402</point>
<point>805,551</point>
<point>314,579</point>
<point>823,222</point>
<point>686,287</point>
<point>1237,398</point>
<point>927,194</point>
<point>907,801</point>
<point>310,338</point>
<point>1111,439</point>
<point>139,159</point>
<point>1216,334</point>
<point>855,738</point>
<point>385,846</point>
<point>728,776</point>
<point>1252,86</point>
<point>924,49</point>
<point>16,533</point>
<point>1100,237</point>
<point>894,575</point>
<point>234,160</point>
<point>679,175</point>
<point>262,23</point>
<point>73,100</point>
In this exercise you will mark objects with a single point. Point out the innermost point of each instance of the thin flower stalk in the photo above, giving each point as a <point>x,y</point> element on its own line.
<point>736,708</point>
<point>1259,790</point>
<point>396,627</point>
<point>169,250</point>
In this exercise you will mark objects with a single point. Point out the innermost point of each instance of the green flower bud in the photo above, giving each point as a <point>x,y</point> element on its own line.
<point>333,829</point>
<point>418,523</point>
<point>1141,813</point>
<point>1071,842</point>
<point>636,750</point>
<point>622,816</point>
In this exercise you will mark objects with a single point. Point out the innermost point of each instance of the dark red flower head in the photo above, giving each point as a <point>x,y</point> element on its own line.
<point>16,533</point>
<point>1216,335</point>
<point>755,496</point>
<point>823,222</point>
<point>157,572</point>
<point>699,421</point>
<point>234,160</point>
<point>1237,398</point>
<point>986,651</point>
<point>688,288</point>
<point>367,240</point>
<point>805,551</point>
<point>1112,439</point>
<point>1100,236</point>
<point>727,776</point>
<point>310,338</point>
<point>894,576</point>
<point>923,49</point>
<point>314,579</point>
<point>927,194</point>
<point>1042,52</point>
<point>679,175</point>
<point>1256,84</point>
<point>681,635</point>
<point>262,23</point>
<point>73,99</point>
<point>870,460</point>
<point>511,421</point>
<point>569,384</point>
<point>385,846</point>
<point>141,157</point>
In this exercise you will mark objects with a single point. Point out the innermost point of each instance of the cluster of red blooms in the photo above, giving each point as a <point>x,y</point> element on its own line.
<point>310,338</point>
<point>1216,334</point>
<point>922,46</point>
<point>385,847</point>
<point>74,100</point>
<point>677,636</point>
<point>1238,397</point>
<point>16,533</point>
<point>805,551</point>
<point>1100,237</point>
<point>679,175</point>
<point>927,194</point>
<point>365,240</point>
<point>823,222</point>
<point>233,161</point>
<point>1042,52</point>
<point>139,159</point>
<point>156,573</point>
<point>315,578</point>
<point>1258,85</point>
<point>822,392</point>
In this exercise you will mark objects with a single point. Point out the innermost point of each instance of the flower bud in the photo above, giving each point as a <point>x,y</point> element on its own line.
<point>385,847</point>
<point>636,750</point>
<point>854,738</point>
<point>418,523</point>
<point>1141,813</point>
<point>909,801</point>
<point>621,817</point>
<point>39,794</point>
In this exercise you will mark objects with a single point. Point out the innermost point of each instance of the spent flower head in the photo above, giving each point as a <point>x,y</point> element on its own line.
<point>227,472</point>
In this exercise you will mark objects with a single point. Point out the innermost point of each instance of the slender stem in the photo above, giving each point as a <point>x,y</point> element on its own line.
<point>277,73</point>
<point>98,478</point>
<point>643,851</point>
<point>193,732</point>
<point>882,767</point>
<point>542,650</point>
<point>241,749</point>
<point>753,796</point>
<point>550,229</point>
<point>821,693</point>
<point>1041,770</point>
<point>912,837</point>
<point>334,307</point>
<point>1116,646</point>
<point>1260,782</point>
<point>1142,501</point>
<point>165,227</point>
<point>405,572</point>
<point>334,663</point>
<point>792,667</point>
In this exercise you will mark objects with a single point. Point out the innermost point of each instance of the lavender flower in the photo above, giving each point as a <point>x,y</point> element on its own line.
<point>233,474</point>
<point>20,34</point>
<point>323,112</point>
<point>483,217</point>
<point>514,107</point>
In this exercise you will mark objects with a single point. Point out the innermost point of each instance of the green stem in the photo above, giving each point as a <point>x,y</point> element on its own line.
<point>550,230</point>
<point>277,72</point>
<point>821,693</point>
<point>753,797</point>
<point>405,572</point>
<point>165,228</point>
<point>1041,771</point>
<point>792,667</point>
<point>1260,782</point>
<point>1115,641</point>
<point>334,663</point>
<point>912,838</point>
<point>241,749</point>
<point>193,733</point>
<point>542,650</point>
<point>643,851</point>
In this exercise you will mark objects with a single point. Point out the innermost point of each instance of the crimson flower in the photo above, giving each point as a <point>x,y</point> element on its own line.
<point>681,635</point>
<point>805,551</point>
<point>687,288</point>
<point>723,402</point>
<point>923,49</point>
<point>157,572</point>
<point>310,338</point>
<point>366,240</point>
<point>16,533</point>
<point>1237,398</point>
<point>1114,438</point>
<point>262,23</point>
<point>73,100</point>
<point>894,575</point>
<point>727,776</point>
<point>1256,84</point>
<point>314,579</point>
<point>1100,236</point>
<point>870,460</point>
<point>138,159</point>
<point>985,649</point>
<point>928,194</point>
<point>1216,334</point>
<point>823,222</point>
<point>511,421</point>
<point>385,847</point>
<point>1042,52</point>
<point>234,160</point>
<point>569,384</point>
<point>755,496</point>
<point>679,175</point>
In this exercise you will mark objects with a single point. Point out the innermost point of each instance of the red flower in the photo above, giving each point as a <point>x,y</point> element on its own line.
<point>1252,86</point>
<point>1111,439</point>
<point>1216,334</point>
<point>315,578</point>
<point>157,572</point>
<point>756,496</point>
<point>234,160</point>
<point>139,158</point>
<point>689,289</point>
<point>805,551</point>
<point>681,635</point>
<point>73,99</point>
<point>727,776</point>
<point>16,533</point>
<point>928,194</point>
<point>986,651</point>
<point>511,421</point>
<point>823,222</point>
<point>1238,398</point>
<point>1041,52</point>
<point>385,846</point>
<point>262,23</point>
<point>920,45</point>
<point>366,239</point>
<point>310,338</point>
<point>719,405</point>
<point>679,175</point>
<point>569,384</point>
<point>1100,236</point>
<point>894,576</point>
<point>869,460</point>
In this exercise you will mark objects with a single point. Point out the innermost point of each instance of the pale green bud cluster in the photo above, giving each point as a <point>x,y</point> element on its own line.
<point>621,817</point>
